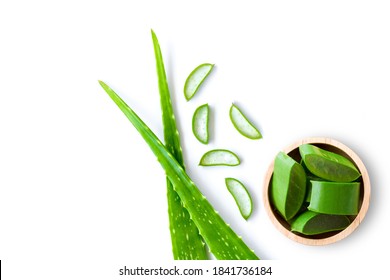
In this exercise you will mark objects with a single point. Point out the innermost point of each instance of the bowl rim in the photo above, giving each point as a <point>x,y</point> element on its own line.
<point>363,208</point>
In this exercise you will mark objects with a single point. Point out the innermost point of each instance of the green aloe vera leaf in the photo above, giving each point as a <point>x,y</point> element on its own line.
<point>288,188</point>
<point>337,198</point>
<point>200,123</point>
<point>308,191</point>
<point>187,244</point>
<point>242,124</point>
<point>222,241</point>
<point>309,178</point>
<point>219,157</point>
<point>196,78</point>
<point>328,165</point>
<point>311,223</point>
<point>241,196</point>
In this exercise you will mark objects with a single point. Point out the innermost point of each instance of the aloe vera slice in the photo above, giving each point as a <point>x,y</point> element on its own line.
<point>242,124</point>
<point>335,197</point>
<point>311,223</point>
<point>328,165</point>
<point>219,157</point>
<point>222,241</point>
<point>187,244</point>
<point>200,123</point>
<point>309,177</point>
<point>288,188</point>
<point>196,78</point>
<point>241,196</point>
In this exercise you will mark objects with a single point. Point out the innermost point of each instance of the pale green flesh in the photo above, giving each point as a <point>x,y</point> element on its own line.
<point>220,238</point>
<point>288,188</point>
<point>241,196</point>
<point>242,124</point>
<point>311,223</point>
<point>200,123</point>
<point>187,244</point>
<point>219,157</point>
<point>195,79</point>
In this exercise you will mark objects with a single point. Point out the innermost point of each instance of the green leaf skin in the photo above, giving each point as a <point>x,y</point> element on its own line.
<point>223,242</point>
<point>335,197</point>
<point>311,223</point>
<point>309,178</point>
<point>328,165</point>
<point>187,244</point>
<point>288,188</point>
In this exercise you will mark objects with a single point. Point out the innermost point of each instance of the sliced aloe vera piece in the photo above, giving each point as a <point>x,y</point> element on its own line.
<point>219,157</point>
<point>335,197</point>
<point>308,191</point>
<point>242,124</point>
<point>309,177</point>
<point>222,241</point>
<point>328,165</point>
<point>311,223</point>
<point>187,244</point>
<point>200,123</point>
<point>288,188</point>
<point>196,78</point>
<point>241,196</point>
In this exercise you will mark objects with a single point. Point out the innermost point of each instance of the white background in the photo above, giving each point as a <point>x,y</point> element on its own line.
<point>81,194</point>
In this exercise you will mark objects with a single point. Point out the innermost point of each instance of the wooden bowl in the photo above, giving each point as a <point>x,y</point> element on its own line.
<point>330,237</point>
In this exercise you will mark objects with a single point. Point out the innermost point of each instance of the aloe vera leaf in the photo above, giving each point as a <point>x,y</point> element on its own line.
<point>328,165</point>
<point>308,190</point>
<point>242,124</point>
<point>288,188</point>
<point>309,177</point>
<point>311,223</point>
<point>196,78</point>
<point>200,123</point>
<point>187,244</point>
<point>222,241</point>
<point>219,157</point>
<point>335,197</point>
<point>241,196</point>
